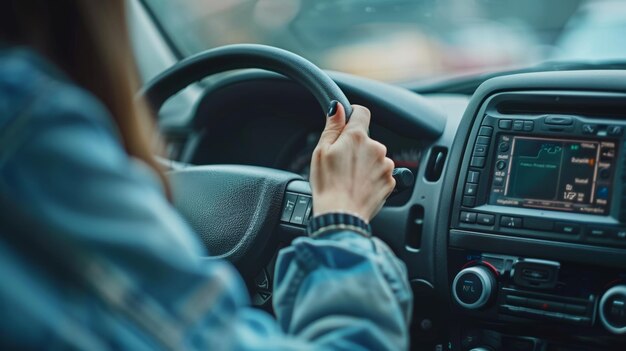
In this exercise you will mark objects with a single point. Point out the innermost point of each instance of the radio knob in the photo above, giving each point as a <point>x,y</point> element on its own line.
<point>473,287</point>
<point>503,147</point>
<point>613,309</point>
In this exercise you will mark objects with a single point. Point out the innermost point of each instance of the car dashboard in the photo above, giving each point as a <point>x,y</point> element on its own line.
<point>514,234</point>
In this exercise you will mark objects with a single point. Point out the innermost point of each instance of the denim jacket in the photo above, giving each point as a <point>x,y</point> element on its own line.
<point>145,284</point>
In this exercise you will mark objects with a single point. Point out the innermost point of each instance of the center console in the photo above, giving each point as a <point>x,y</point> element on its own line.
<point>537,236</point>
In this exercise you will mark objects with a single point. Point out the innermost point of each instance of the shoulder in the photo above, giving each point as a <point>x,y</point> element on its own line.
<point>32,87</point>
<point>36,97</point>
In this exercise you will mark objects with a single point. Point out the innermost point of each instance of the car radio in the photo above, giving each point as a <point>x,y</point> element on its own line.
<point>551,176</point>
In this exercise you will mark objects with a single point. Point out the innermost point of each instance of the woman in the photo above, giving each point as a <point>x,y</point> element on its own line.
<point>92,254</point>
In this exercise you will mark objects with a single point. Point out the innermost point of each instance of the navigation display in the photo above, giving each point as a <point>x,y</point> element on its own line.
<point>555,174</point>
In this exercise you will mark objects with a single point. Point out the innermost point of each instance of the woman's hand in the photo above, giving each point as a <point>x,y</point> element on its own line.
<point>349,171</point>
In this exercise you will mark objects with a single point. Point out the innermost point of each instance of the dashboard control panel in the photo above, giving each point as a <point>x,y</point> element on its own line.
<point>521,289</point>
<point>547,176</point>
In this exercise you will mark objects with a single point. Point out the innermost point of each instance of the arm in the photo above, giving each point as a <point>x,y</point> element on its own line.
<point>65,167</point>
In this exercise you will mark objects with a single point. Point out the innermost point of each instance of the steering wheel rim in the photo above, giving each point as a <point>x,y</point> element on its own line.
<point>242,56</point>
<point>235,209</point>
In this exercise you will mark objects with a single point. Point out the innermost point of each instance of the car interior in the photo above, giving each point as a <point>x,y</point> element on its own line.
<point>510,205</point>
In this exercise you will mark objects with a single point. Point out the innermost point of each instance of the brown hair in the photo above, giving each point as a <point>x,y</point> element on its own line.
<point>89,41</point>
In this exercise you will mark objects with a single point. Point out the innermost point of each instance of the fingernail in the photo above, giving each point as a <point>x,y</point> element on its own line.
<point>333,108</point>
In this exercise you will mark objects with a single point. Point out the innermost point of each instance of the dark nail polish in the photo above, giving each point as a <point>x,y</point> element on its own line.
<point>333,108</point>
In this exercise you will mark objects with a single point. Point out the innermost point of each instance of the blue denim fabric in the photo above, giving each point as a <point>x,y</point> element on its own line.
<point>147,285</point>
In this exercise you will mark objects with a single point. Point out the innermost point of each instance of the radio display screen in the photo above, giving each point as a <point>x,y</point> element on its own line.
<point>554,174</point>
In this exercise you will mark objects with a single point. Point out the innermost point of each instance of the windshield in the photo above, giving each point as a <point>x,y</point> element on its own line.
<point>405,40</point>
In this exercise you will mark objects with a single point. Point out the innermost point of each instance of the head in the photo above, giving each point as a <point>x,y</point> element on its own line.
<point>89,41</point>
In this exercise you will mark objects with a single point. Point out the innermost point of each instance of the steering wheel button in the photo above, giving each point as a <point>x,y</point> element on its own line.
<point>289,205</point>
<point>307,213</point>
<point>300,210</point>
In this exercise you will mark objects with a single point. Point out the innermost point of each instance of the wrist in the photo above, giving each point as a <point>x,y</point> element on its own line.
<point>341,211</point>
<point>331,222</point>
<point>335,205</point>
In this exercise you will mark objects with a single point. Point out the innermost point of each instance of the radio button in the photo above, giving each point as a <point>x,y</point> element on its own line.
<point>559,120</point>
<point>473,177</point>
<point>469,201</point>
<point>529,126</point>
<point>500,165</point>
<point>605,173</point>
<point>498,181</point>
<point>598,233</point>
<point>518,125</point>
<point>505,124</point>
<point>483,140</point>
<point>538,224</point>
<point>567,228</point>
<point>614,130</point>
<point>470,189</point>
<point>602,192</point>
<point>478,162</point>
<point>510,222</point>
<point>468,217</point>
<point>589,129</point>
<point>485,219</point>
<point>485,131</point>
<point>480,150</point>
<point>503,147</point>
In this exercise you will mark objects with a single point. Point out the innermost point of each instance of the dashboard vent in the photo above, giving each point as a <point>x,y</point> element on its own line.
<point>435,164</point>
<point>609,106</point>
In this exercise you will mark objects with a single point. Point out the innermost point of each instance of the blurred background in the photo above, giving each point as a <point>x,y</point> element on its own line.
<point>405,40</point>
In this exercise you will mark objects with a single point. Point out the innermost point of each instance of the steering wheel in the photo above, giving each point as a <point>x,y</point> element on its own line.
<point>235,208</point>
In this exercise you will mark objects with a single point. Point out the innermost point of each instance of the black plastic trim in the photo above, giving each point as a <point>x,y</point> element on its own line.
<point>572,252</point>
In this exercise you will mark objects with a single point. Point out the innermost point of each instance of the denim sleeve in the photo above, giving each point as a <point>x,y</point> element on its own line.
<point>343,291</point>
<point>62,162</point>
